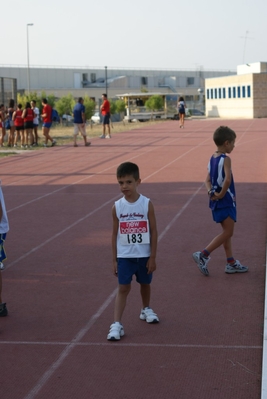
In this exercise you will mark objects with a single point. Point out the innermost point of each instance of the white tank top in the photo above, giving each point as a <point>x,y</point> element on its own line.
<point>4,226</point>
<point>133,239</point>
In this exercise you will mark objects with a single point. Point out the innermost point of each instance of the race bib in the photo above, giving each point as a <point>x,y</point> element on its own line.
<point>134,232</point>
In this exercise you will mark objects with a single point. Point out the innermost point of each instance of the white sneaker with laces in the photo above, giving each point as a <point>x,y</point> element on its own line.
<point>149,315</point>
<point>235,268</point>
<point>202,262</point>
<point>116,331</point>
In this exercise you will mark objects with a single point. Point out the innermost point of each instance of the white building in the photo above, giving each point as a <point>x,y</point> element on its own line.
<point>240,96</point>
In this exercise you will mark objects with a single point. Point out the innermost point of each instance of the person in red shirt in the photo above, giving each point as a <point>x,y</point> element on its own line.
<point>19,125</point>
<point>47,122</point>
<point>105,111</point>
<point>28,116</point>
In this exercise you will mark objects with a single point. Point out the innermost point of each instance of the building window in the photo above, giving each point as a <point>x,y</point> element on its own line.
<point>208,94</point>
<point>238,92</point>
<point>229,92</point>
<point>93,77</point>
<point>190,81</point>
<point>243,91</point>
<point>220,93</point>
<point>215,93</point>
<point>248,88</point>
<point>224,92</point>
<point>234,92</point>
<point>144,81</point>
<point>211,93</point>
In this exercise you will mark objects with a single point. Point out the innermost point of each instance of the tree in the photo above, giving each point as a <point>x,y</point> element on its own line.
<point>120,106</point>
<point>89,107</point>
<point>112,107</point>
<point>65,105</point>
<point>155,103</point>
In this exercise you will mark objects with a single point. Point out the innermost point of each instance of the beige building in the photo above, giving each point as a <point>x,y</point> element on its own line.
<point>239,96</point>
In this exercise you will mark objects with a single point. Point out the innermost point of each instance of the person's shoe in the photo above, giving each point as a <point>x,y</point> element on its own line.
<point>3,310</point>
<point>54,142</point>
<point>235,268</point>
<point>102,136</point>
<point>148,315</point>
<point>108,136</point>
<point>2,266</point>
<point>202,262</point>
<point>45,145</point>
<point>26,146</point>
<point>15,145</point>
<point>87,144</point>
<point>116,331</point>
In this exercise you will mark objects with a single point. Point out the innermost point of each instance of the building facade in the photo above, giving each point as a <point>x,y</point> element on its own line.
<point>94,81</point>
<point>243,95</point>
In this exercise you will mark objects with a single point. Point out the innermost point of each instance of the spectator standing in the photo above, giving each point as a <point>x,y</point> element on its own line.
<point>47,122</point>
<point>2,120</point>
<point>181,110</point>
<point>35,122</point>
<point>28,116</point>
<point>105,111</point>
<point>19,125</point>
<point>10,123</point>
<point>80,122</point>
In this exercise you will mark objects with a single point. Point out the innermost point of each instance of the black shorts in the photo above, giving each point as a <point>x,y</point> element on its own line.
<point>106,119</point>
<point>28,125</point>
<point>18,128</point>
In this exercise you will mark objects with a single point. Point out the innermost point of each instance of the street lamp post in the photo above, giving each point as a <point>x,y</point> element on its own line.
<point>28,58</point>
<point>106,79</point>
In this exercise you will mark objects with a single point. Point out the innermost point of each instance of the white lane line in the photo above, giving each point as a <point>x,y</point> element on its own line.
<point>129,344</point>
<point>45,377</point>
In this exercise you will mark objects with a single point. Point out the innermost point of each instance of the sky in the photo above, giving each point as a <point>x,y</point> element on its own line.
<point>166,34</point>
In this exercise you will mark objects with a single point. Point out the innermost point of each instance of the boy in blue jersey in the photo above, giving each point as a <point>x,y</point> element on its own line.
<point>134,246</point>
<point>221,190</point>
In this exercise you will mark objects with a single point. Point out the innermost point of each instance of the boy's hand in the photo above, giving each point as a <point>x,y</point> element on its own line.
<point>115,268</point>
<point>151,265</point>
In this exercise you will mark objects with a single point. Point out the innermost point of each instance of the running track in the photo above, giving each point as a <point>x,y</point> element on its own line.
<point>60,290</point>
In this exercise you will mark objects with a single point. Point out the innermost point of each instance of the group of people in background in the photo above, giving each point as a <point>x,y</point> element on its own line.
<point>21,124</point>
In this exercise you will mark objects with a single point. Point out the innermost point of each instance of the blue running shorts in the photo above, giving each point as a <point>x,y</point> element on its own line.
<point>127,267</point>
<point>219,215</point>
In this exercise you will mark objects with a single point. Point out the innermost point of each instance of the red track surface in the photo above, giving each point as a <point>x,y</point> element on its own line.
<point>59,287</point>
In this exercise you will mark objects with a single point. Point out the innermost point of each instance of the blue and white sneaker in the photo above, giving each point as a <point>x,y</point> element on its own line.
<point>116,331</point>
<point>235,268</point>
<point>202,262</point>
<point>149,315</point>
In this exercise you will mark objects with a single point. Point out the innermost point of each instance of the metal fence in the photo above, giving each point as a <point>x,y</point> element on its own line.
<point>8,90</point>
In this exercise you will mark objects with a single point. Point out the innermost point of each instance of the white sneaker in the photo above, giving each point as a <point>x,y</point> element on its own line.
<point>108,137</point>
<point>148,315</point>
<point>235,268</point>
<point>116,331</point>
<point>2,266</point>
<point>54,142</point>
<point>202,262</point>
<point>102,137</point>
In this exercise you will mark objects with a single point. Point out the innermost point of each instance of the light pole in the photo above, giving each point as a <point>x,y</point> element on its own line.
<point>28,58</point>
<point>106,79</point>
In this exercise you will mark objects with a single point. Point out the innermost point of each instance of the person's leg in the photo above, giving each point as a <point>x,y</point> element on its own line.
<point>31,136</point>
<point>75,134</point>
<point>145,291</point>
<point>228,230</point>
<point>120,301</point>
<point>26,137</point>
<point>45,133</point>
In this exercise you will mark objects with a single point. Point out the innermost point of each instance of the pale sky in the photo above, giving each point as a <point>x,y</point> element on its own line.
<point>168,34</point>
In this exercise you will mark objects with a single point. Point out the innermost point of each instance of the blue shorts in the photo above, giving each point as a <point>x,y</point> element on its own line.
<point>47,124</point>
<point>2,249</point>
<point>106,120</point>
<point>219,215</point>
<point>35,124</point>
<point>127,267</point>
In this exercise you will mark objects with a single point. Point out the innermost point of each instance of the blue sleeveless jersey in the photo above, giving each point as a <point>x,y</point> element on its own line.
<point>217,176</point>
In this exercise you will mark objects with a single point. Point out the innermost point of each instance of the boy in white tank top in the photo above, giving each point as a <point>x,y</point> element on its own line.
<point>134,246</point>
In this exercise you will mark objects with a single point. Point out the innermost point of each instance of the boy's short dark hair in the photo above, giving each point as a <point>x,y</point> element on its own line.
<point>223,134</point>
<point>128,168</point>
<point>44,100</point>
